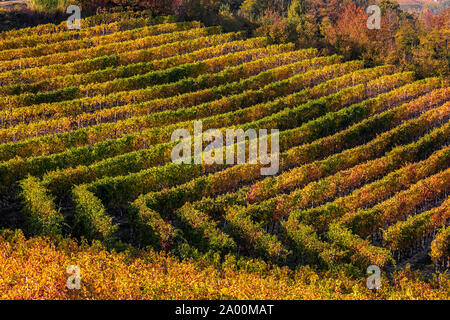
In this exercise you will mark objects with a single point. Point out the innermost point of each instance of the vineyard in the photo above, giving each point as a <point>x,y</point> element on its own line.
<point>86,118</point>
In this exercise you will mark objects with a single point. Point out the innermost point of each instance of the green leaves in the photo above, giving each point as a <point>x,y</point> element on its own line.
<point>90,217</point>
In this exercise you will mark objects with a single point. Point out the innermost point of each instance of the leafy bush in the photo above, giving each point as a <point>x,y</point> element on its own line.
<point>48,5</point>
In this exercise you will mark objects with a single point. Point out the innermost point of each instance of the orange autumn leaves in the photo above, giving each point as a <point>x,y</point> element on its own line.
<point>36,269</point>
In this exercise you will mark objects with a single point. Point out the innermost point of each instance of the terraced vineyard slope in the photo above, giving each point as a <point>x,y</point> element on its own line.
<point>86,119</point>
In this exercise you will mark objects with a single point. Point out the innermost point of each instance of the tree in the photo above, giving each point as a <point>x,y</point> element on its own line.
<point>432,55</point>
<point>405,39</point>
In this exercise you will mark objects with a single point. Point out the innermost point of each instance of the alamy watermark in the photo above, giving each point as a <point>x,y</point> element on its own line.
<point>374,21</point>
<point>233,144</point>
<point>374,280</point>
<point>74,20</point>
<point>74,280</point>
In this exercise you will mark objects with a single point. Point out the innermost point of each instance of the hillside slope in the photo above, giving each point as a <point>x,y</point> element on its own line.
<point>86,119</point>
